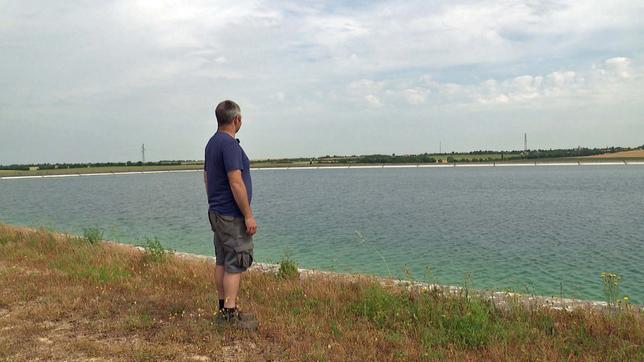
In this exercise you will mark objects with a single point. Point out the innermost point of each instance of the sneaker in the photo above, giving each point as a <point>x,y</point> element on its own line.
<point>245,316</point>
<point>237,319</point>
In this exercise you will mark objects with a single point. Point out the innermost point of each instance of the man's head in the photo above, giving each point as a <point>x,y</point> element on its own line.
<point>228,113</point>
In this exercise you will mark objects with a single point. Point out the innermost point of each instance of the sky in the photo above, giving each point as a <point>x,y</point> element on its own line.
<point>90,81</point>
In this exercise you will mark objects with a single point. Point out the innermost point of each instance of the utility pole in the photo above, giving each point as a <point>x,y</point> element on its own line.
<point>525,143</point>
<point>143,153</point>
<point>440,147</point>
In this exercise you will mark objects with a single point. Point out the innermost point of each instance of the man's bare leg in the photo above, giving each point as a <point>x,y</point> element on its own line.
<point>219,281</point>
<point>231,288</point>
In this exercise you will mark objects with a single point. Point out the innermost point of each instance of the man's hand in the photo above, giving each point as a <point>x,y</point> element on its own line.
<point>251,226</point>
<point>241,198</point>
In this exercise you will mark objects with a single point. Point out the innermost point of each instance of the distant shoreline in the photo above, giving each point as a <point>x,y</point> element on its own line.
<point>563,157</point>
<point>130,170</point>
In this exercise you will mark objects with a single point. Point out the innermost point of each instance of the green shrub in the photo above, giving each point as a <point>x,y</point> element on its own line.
<point>472,325</point>
<point>288,268</point>
<point>381,307</point>
<point>93,234</point>
<point>435,318</point>
<point>154,251</point>
<point>102,273</point>
<point>4,238</point>
<point>80,265</point>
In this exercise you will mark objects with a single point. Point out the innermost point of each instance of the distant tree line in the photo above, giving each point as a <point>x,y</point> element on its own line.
<point>283,160</point>
<point>477,156</point>
<point>51,166</point>
<point>422,158</point>
<point>578,152</point>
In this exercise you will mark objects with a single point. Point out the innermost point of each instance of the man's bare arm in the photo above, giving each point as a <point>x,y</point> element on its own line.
<point>205,181</point>
<point>241,198</point>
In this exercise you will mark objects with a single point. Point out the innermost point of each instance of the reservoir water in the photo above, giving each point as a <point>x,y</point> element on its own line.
<point>538,230</point>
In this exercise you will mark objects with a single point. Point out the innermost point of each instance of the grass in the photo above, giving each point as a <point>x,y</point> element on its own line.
<point>65,298</point>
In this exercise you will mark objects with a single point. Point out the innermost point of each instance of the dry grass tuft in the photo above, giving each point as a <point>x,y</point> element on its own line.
<point>65,298</point>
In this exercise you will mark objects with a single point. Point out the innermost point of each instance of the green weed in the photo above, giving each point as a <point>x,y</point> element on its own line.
<point>611,283</point>
<point>79,265</point>
<point>154,251</point>
<point>470,325</point>
<point>335,331</point>
<point>92,234</point>
<point>103,273</point>
<point>288,268</point>
<point>436,319</point>
<point>140,321</point>
<point>380,307</point>
<point>4,238</point>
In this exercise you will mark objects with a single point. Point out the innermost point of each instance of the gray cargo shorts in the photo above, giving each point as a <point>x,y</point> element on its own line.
<point>233,246</point>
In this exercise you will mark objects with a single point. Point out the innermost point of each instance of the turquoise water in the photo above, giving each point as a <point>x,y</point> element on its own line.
<point>535,230</point>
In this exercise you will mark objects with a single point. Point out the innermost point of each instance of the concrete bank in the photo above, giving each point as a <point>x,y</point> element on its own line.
<point>500,299</point>
<point>453,165</point>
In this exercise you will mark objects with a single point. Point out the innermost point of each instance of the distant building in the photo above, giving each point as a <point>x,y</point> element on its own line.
<point>33,168</point>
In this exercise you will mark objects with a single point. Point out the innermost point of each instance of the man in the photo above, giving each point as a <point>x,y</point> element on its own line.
<point>229,190</point>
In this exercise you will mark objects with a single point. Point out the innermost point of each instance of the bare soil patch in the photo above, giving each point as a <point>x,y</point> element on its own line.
<point>621,155</point>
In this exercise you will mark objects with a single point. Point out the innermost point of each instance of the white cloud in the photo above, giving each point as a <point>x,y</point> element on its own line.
<point>362,86</point>
<point>279,96</point>
<point>388,36</point>
<point>619,66</point>
<point>372,100</point>
<point>166,62</point>
<point>367,90</point>
<point>331,31</point>
<point>414,96</point>
<point>606,81</point>
<point>615,75</point>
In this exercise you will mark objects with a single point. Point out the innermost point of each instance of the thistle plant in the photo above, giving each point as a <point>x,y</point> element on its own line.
<point>611,287</point>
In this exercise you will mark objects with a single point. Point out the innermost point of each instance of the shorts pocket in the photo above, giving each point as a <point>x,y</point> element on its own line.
<point>226,217</point>
<point>229,225</point>
<point>244,255</point>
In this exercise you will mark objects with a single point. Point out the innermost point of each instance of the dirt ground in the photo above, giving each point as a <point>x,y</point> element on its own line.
<point>621,155</point>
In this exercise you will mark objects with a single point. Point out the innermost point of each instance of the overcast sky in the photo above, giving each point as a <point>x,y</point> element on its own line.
<point>93,80</point>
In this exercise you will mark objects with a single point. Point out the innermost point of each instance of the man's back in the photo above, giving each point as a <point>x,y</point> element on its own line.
<point>224,154</point>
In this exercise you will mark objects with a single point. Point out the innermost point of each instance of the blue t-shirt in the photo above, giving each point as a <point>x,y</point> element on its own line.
<point>224,154</point>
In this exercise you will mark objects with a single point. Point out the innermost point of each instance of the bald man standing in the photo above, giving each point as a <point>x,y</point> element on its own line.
<point>229,189</point>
